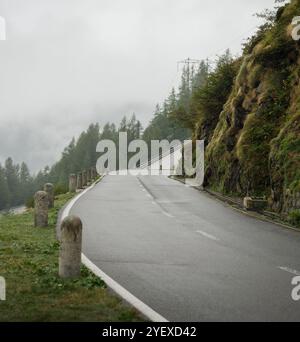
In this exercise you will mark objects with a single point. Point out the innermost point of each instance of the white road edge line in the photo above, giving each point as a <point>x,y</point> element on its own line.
<point>112,284</point>
<point>167,214</point>
<point>209,236</point>
<point>290,270</point>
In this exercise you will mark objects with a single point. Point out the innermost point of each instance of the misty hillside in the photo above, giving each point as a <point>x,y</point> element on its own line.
<point>247,110</point>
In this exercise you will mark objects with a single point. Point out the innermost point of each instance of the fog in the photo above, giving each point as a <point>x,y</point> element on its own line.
<point>67,63</point>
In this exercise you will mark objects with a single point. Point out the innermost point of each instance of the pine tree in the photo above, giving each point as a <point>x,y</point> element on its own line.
<point>123,125</point>
<point>208,100</point>
<point>4,191</point>
<point>25,182</point>
<point>12,177</point>
<point>200,77</point>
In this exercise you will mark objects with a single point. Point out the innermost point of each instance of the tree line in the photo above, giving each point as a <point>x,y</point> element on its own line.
<point>17,185</point>
<point>188,112</point>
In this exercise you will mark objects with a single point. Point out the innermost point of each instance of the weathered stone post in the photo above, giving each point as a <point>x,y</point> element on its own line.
<point>49,188</point>
<point>79,180</point>
<point>93,173</point>
<point>70,247</point>
<point>248,203</point>
<point>84,179</point>
<point>72,183</point>
<point>88,176</point>
<point>41,209</point>
<point>2,289</point>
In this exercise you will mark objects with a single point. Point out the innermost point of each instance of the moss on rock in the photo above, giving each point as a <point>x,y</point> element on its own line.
<point>255,146</point>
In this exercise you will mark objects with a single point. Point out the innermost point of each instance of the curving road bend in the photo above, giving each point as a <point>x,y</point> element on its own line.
<point>186,255</point>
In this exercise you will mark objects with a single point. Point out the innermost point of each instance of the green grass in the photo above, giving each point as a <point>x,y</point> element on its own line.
<point>34,292</point>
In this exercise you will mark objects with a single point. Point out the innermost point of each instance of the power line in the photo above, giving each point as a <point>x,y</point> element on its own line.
<point>188,62</point>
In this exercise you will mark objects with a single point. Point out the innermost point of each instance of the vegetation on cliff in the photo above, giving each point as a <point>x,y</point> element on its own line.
<point>255,147</point>
<point>247,110</point>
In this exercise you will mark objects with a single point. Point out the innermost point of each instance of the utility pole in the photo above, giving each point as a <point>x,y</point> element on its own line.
<point>189,63</point>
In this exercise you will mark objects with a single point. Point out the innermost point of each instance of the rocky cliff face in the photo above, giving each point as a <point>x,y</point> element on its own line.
<point>255,147</point>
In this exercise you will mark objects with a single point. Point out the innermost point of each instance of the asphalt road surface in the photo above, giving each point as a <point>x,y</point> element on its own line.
<point>186,255</point>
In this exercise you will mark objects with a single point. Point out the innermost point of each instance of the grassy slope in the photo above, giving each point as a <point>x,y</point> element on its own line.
<point>29,262</point>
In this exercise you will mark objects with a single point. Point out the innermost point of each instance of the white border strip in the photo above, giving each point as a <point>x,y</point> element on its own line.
<point>116,287</point>
<point>209,236</point>
<point>121,291</point>
<point>290,270</point>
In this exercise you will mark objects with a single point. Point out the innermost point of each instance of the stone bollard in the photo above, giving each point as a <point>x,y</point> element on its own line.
<point>72,183</point>
<point>79,180</point>
<point>255,204</point>
<point>70,247</point>
<point>41,209</point>
<point>49,188</point>
<point>84,179</point>
<point>247,203</point>
<point>93,173</point>
<point>88,176</point>
<point>2,289</point>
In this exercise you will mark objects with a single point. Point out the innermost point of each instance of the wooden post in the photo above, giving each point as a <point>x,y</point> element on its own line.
<point>41,209</point>
<point>70,247</point>
<point>49,188</point>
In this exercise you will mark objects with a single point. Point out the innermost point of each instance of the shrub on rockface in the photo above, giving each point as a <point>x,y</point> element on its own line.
<point>285,164</point>
<point>294,217</point>
<point>208,101</point>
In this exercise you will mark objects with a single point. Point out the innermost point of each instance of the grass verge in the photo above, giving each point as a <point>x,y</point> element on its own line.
<point>34,292</point>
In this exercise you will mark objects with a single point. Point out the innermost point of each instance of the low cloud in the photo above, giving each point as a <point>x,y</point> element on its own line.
<point>67,63</point>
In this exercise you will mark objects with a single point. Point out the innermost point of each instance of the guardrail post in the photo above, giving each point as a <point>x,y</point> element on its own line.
<point>41,209</point>
<point>70,247</point>
<point>49,188</point>
<point>72,183</point>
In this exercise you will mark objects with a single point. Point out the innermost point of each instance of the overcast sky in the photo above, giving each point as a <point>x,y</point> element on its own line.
<point>67,63</point>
